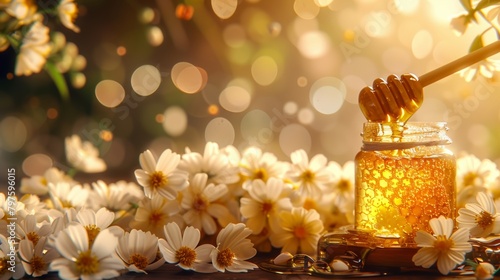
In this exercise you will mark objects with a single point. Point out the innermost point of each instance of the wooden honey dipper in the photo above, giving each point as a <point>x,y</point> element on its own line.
<point>397,99</point>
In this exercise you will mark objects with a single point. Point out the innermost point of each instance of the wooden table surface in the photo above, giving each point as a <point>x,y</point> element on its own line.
<point>172,272</point>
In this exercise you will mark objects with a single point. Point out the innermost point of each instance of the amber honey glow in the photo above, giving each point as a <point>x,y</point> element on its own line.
<point>403,179</point>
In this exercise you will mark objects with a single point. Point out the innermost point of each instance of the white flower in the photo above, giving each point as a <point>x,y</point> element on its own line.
<point>182,249</point>
<point>154,213</point>
<point>474,176</point>
<point>297,230</point>
<point>36,257</point>
<point>68,11</point>
<point>161,177</point>
<point>214,163</point>
<point>79,260</point>
<point>342,187</point>
<point>63,195</point>
<point>139,251</point>
<point>35,48</point>
<point>445,248</point>
<point>83,155</point>
<point>33,206</point>
<point>257,165</point>
<point>201,205</point>
<point>264,203</point>
<point>8,269</point>
<point>39,184</point>
<point>486,68</point>
<point>485,271</point>
<point>95,222</point>
<point>27,228</point>
<point>6,209</point>
<point>22,10</point>
<point>233,249</point>
<point>481,218</point>
<point>115,197</point>
<point>311,177</point>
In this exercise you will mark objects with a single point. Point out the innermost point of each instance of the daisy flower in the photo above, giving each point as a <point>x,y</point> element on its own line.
<point>27,228</point>
<point>22,10</point>
<point>116,197</point>
<point>481,218</point>
<point>63,195</point>
<point>201,205</point>
<point>485,68</point>
<point>233,249</point>
<point>68,12</point>
<point>83,156</point>
<point>182,249</point>
<point>7,271</point>
<point>342,186</point>
<point>35,48</point>
<point>39,184</point>
<point>36,258</point>
<point>161,177</point>
<point>213,162</point>
<point>33,206</point>
<point>154,213</point>
<point>311,177</point>
<point>445,248</point>
<point>474,176</point>
<point>139,251</point>
<point>80,260</point>
<point>95,222</point>
<point>255,165</point>
<point>297,230</point>
<point>263,203</point>
<point>6,211</point>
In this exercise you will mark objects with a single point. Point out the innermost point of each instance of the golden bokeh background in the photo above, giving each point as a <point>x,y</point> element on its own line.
<point>280,75</point>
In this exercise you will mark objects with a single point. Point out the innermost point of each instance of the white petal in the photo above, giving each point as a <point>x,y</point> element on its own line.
<point>203,252</point>
<point>191,237</point>
<point>104,218</point>
<point>167,251</point>
<point>241,266</point>
<point>173,235</point>
<point>425,257</point>
<point>445,265</point>
<point>147,161</point>
<point>71,241</point>
<point>104,244</point>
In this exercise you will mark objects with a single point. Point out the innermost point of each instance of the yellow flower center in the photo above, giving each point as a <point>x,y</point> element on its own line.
<point>469,178</point>
<point>33,236</point>
<point>267,207</point>
<point>38,264</point>
<point>44,181</point>
<point>155,217</point>
<point>307,176</point>
<point>309,204</point>
<point>87,263</point>
<point>186,256</point>
<point>300,232</point>
<point>484,219</point>
<point>443,244</point>
<point>138,260</point>
<point>225,257</point>
<point>157,179</point>
<point>344,185</point>
<point>200,203</point>
<point>66,204</point>
<point>260,173</point>
<point>92,232</point>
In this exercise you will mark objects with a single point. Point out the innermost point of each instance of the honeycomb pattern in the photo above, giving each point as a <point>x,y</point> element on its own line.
<point>397,195</point>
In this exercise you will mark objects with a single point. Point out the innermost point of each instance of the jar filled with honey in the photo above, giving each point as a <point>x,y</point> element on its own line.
<point>405,176</point>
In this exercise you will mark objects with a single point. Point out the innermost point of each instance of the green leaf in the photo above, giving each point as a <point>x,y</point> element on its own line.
<point>484,4</point>
<point>58,79</point>
<point>477,43</point>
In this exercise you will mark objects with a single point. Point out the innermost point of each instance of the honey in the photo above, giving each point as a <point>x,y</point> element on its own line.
<point>403,179</point>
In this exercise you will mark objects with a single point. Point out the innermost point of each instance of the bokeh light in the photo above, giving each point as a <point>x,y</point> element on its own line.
<point>109,93</point>
<point>293,137</point>
<point>305,116</point>
<point>224,9</point>
<point>290,108</point>
<point>234,35</point>
<point>264,70</point>
<point>145,80</point>
<point>13,134</point>
<point>422,44</point>
<point>188,78</point>
<point>154,36</point>
<point>220,130</point>
<point>256,127</point>
<point>306,9</point>
<point>327,95</point>
<point>36,164</point>
<point>175,121</point>
<point>313,44</point>
<point>235,99</point>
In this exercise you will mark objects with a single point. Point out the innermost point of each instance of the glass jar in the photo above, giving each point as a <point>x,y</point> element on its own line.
<point>404,177</point>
